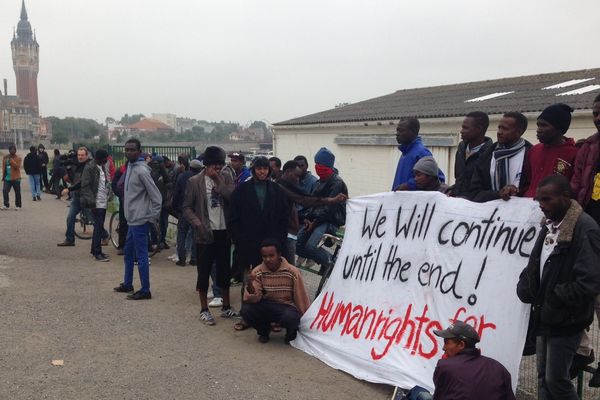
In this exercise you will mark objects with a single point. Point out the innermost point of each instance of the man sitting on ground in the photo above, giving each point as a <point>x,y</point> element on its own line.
<point>275,292</point>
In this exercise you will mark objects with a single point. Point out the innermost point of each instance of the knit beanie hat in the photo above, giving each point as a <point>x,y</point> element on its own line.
<point>325,157</point>
<point>261,161</point>
<point>214,155</point>
<point>558,115</point>
<point>196,164</point>
<point>427,166</point>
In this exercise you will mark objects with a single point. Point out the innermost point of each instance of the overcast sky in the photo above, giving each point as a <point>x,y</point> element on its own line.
<point>276,59</point>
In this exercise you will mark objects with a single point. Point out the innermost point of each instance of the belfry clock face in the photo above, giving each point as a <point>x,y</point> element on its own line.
<point>22,61</point>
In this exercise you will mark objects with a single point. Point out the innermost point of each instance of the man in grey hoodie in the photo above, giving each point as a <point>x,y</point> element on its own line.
<point>143,203</point>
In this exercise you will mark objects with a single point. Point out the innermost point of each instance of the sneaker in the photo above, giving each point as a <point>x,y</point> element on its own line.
<point>3,208</point>
<point>66,244</point>
<point>210,296</point>
<point>193,262</point>
<point>173,257</point>
<point>229,313</point>
<point>139,295</point>
<point>17,208</point>
<point>163,246</point>
<point>123,289</point>
<point>207,318</point>
<point>34,199</point>
<point>234,282</point>
<point>180,263</point>
<point>290,336</point>
<point>39,198</point>
<point>101,258</point>
<point>120,252</point>
<point>216,302</point>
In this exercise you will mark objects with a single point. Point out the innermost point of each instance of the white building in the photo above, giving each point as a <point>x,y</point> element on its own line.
<point>362,135</point>
<point>166,118</point>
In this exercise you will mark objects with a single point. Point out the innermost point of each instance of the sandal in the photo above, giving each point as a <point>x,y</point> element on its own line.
<point>241,326</point>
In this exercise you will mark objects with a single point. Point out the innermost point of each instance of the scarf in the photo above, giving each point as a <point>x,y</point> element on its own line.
<point>502,156</point>
<point>323,171</point>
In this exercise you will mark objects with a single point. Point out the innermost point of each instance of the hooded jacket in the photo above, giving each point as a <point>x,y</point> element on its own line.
<point>334,214</point>
<point>586,167</point>
<point>90,179</point>
<point>562,301</point>
<point>32,164</point>
<point>411,153</point>
<point>143,202</point>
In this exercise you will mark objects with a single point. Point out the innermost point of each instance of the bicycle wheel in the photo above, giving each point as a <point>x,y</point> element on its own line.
<point>324,278</point>
<point>84,227</point>
<point>113,229</point>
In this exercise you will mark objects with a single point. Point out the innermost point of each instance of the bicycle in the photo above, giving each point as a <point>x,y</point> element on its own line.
<point>84,224</point>
<point>332,243</point>
<point>113,231</point>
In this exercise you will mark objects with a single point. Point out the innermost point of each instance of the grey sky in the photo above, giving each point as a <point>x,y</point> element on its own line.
<point>277,59</point>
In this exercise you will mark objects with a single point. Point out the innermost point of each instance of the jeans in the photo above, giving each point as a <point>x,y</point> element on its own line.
<point>307,244</point>
<point>99,217</point>
<point>34,185</point>
<point>184,229</point>
<point>16,186</point>
<point>74,209</point>
<point>554,357</point>
<point>418,393</point>
<point>260,315</point>
<point>136,246</point>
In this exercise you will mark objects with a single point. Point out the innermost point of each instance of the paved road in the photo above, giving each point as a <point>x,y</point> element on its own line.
<point>56,303</point>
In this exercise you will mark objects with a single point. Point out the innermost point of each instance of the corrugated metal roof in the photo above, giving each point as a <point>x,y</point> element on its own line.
<point>524,94</point>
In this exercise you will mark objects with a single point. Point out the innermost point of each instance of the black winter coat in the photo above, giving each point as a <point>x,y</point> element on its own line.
<point>249,224</point>
<point>562,301</point>
<point>333,214</point>
<point>32,164</point>
<point>464,168</point>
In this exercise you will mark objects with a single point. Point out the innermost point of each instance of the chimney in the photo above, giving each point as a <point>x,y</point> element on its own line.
<point>5,87</point>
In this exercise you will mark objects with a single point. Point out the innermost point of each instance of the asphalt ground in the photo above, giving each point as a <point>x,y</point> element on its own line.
<point>58,304</point>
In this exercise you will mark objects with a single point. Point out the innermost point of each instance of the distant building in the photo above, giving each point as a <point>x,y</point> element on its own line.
<point>165,118</point>
<point>19,115</point>
<point>26,62</point>
<point>362,134</point>
<point>248,134</point>
<point>149,125</point>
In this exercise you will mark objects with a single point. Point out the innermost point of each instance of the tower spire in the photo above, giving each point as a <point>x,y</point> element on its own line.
<point>23,11</point>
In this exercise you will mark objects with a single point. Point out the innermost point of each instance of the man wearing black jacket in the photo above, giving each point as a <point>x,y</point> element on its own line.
<point>33,168</point>
<point>322,219</point>
<point>75,207</point>
<point>474,143</point>
<point>259,210</point>
<point>560,282</point>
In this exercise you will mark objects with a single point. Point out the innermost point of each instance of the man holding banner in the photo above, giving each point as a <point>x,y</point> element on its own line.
<point>560,282</point>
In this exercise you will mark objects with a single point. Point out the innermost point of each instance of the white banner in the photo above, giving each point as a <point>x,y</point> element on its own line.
<point>410,263</point>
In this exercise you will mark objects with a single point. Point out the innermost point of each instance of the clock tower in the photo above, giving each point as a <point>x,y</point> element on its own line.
<point>25,55</point>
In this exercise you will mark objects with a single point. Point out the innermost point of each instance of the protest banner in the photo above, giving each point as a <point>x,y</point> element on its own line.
<point>411,263</point>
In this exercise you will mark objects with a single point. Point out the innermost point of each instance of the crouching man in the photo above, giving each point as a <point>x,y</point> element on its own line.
<point>275,292</point>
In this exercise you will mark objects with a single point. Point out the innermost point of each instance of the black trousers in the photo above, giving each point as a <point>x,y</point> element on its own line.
<point>16,186</point>
<point>122,225</point>
<point>220,252</point>
<point>260,315</point>
<point>44,175</point>
<point>99,217</point>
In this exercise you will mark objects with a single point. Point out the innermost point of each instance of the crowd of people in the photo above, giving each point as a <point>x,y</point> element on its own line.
<point>247,225</point>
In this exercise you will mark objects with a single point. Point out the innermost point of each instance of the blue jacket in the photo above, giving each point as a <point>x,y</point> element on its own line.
<point>242,176</point>
<point>411,153</point>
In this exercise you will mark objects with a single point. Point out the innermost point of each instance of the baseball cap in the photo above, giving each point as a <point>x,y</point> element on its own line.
<point>236,154</point>
<point>459,330</point>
